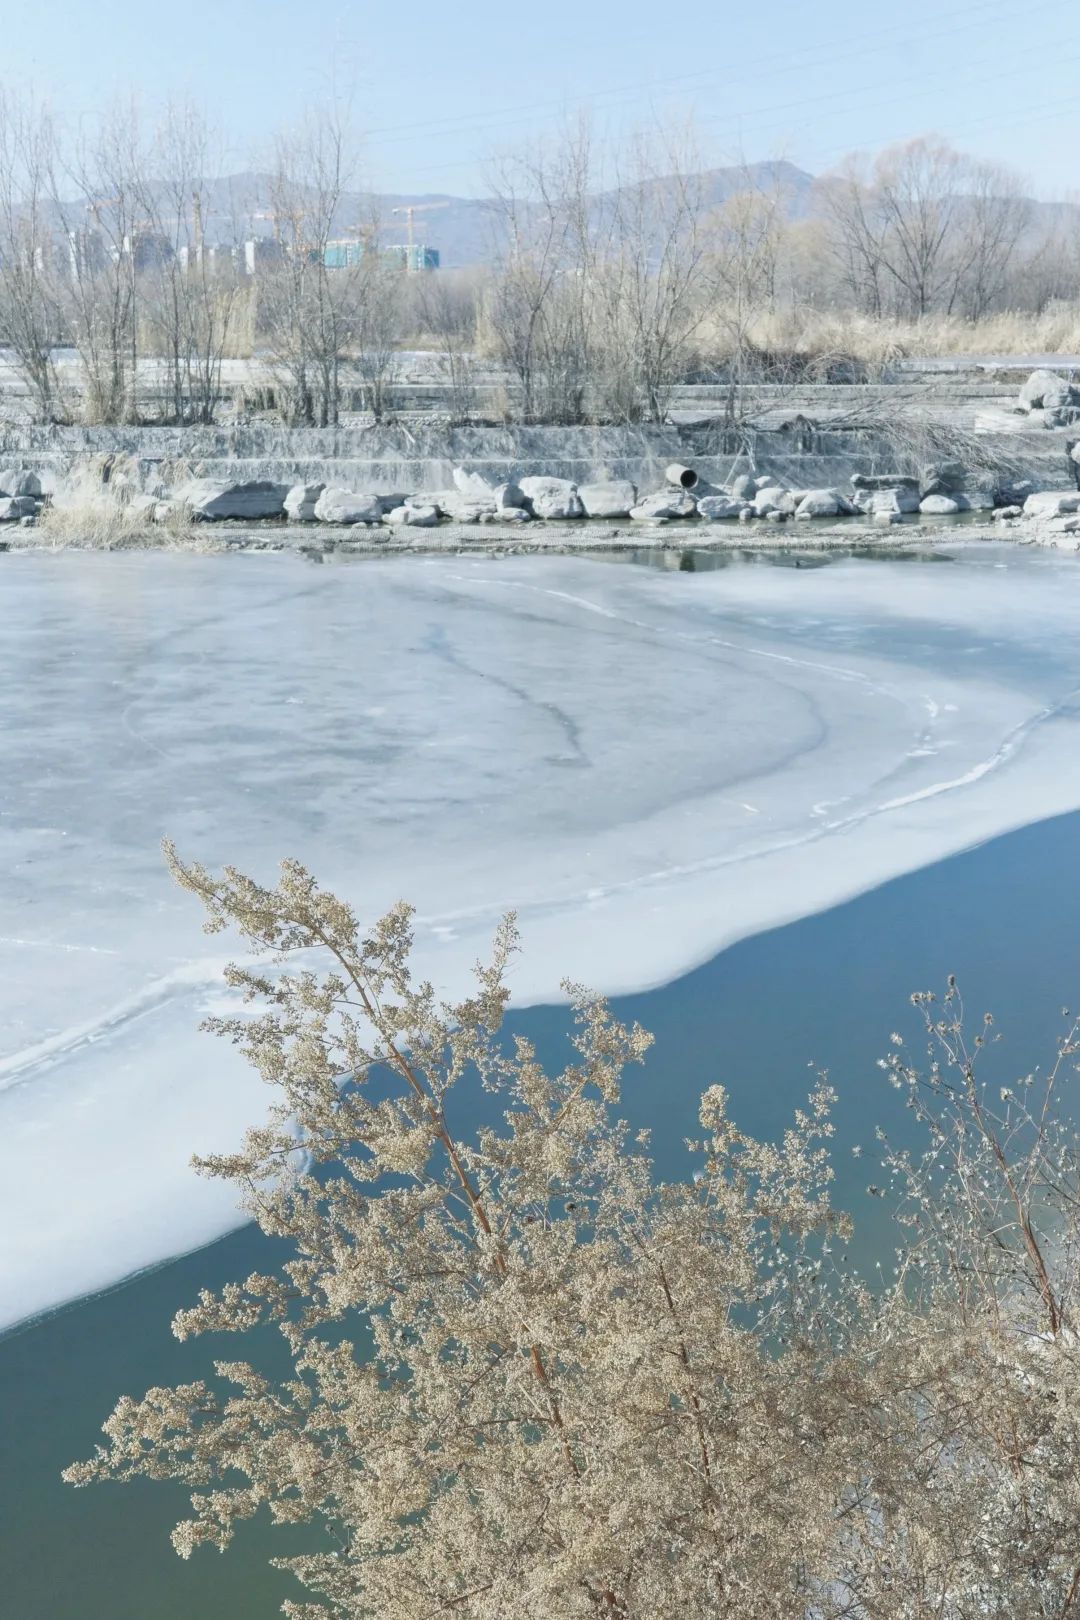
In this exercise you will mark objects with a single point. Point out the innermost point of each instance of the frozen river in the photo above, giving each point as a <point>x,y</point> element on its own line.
<point>647,765</point>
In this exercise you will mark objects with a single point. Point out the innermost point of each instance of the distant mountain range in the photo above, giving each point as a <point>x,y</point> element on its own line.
<point>464,229</point>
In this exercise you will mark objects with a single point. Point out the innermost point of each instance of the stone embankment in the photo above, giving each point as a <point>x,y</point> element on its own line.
<point>377,481</point>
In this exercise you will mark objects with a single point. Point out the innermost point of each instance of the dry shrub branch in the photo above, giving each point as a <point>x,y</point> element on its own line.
<point>530,1379</point>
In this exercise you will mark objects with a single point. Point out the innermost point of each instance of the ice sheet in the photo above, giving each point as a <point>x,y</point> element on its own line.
<point>648,765</point>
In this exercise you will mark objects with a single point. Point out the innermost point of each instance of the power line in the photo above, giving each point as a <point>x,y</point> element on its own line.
<point>881,39</point>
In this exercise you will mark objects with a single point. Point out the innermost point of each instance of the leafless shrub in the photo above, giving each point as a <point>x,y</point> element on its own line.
<point>591,1394</point>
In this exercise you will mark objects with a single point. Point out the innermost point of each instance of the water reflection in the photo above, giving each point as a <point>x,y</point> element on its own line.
<point>701,560</point>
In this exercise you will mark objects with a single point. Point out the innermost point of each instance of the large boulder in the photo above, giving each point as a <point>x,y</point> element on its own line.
<point>459,507</point>
<point>508,497</point>
<point>939,506</point>
<point>614,499</point>
<point>552,497</point>
<point>714,507</point>
<point>1046,503</point>
<point>413,517</point>
<point>774,499</point>
<point>301,501</point>
<point>942,478</point>
<point>822,503</point>
<point>343,506</point>
<point>1045,391</point>
<point>211,501</point>
<point>1014,492</point>
<point>887,498</point>
<point>14,507</point>
<point>663,506</point>
<point>976,500</point>
<point>20,481</point>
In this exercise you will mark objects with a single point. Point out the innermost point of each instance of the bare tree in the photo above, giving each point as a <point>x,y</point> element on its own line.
<point>927,229</point>
<point>446,308</point>
<point>652,267</point>
<point>857,237</point>
<point>540,299</point>
<point>302,308</point>
<point>107,243</point>
<point>30,320</point>
<point>747,238</point>
<point>192,288</point>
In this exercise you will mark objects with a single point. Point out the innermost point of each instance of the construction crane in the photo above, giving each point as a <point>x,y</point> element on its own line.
<point>409,209</point>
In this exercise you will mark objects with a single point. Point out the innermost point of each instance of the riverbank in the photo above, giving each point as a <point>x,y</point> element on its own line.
<point>330,541</point>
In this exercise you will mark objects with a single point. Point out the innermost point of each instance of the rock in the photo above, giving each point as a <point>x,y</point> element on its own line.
<point>892,498</point>
<point>1003,512</point>
<point>459,507</point>
<point>1045,390</point>
<point>512,514</point>
<point>1047,503</point>
<point>938,506</point>
<point>509,497</point>
<point>470,483</point>
<point>884,481</point>
<point>976,500</point>
<point>343,506</point>
<point>301,501</point>
<point>20,481</point>
<point>763,481</point>
<point>664,505</point>
<point>822,503</point>
<point>772,499</point>
<point>776,516</point>
<point>552,497</point>
<point>215,502</point>
<point>9,512</point>
<point>743,486</point>
<point>942,478</point>
<point>414,517</point>
<point>886,517</point>
<point>746,514</point>
<point>1015,493</point>
<point>714,507</point>
<point>614,499</point>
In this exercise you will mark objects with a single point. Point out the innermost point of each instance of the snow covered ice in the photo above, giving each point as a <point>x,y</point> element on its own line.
<point>647,765</point>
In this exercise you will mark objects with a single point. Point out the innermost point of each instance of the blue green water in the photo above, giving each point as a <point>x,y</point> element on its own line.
<point>823,991</point>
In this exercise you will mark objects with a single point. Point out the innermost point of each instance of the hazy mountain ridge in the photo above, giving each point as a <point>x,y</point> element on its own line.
<point>466,230</point>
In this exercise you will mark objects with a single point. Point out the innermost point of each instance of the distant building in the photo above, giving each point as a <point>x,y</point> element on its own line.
<point>419,257</point>
<point>87,254</point>
<point>149,250</point>
<point>260,253</point>
<point>349,251</point>
<point>343,254</point>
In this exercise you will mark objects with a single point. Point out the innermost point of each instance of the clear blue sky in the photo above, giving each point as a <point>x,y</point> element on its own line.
<point>439,86</point>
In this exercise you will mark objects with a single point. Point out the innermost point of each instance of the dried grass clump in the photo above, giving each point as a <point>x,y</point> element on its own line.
<point>809,339</point>
<point>104,523</point>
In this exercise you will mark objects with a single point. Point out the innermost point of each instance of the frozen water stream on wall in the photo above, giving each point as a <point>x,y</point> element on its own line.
<point>647,765</point>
